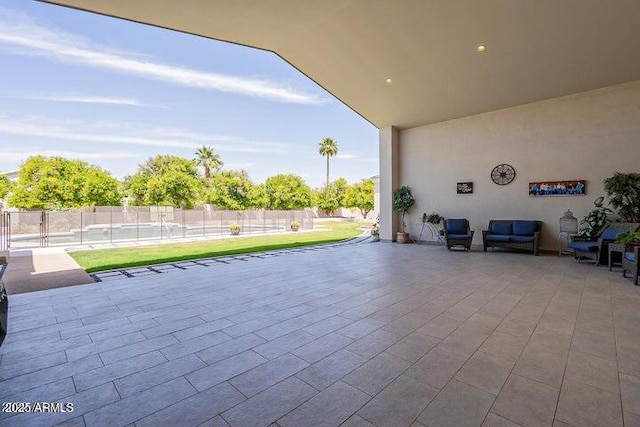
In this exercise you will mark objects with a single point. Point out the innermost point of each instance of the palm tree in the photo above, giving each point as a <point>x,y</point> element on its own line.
<point>208,159</point>
<point>328,147</point>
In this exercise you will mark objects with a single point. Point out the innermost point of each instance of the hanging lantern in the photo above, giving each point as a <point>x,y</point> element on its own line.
<point>568,227</point>
<point>568,223</point>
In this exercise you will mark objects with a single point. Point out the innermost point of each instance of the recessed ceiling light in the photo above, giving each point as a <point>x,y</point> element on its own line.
<point>481,48</point>
<point>388,81</point>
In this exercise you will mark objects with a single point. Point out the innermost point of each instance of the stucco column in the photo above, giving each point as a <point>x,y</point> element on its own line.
<point>389,181</point>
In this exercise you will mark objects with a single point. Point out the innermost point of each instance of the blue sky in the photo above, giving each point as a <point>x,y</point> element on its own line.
<point>114,93</point>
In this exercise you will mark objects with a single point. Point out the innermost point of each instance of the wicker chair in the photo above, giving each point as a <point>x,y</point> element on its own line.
<point>630,262</point>
<point>458,233</point>
<point>513,234</point>
<point>597,248</point>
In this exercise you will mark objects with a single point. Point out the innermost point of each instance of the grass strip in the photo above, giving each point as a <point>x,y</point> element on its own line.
<point>109,259</point>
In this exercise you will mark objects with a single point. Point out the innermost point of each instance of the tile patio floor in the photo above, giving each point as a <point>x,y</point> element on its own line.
<point>360,335</point>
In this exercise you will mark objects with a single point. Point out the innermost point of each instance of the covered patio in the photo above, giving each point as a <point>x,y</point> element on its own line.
<point>382,334</point>
<point>358,335</point>
<point>457,88</point>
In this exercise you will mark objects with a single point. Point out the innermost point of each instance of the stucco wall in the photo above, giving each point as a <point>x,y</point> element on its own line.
<point>588,136</point>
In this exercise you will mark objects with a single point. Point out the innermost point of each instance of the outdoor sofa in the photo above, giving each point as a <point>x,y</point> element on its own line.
<point>512,234</point>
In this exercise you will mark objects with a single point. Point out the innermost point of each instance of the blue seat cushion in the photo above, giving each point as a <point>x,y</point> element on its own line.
<point>584,246</point>
<point>459,236</point>
<point>524,228</point>
<point>498,238</point>
<point>611,233</point>
<point>456,226</point>
<point>522,239</point>
<point>502,228</point>
<point>631,256</point>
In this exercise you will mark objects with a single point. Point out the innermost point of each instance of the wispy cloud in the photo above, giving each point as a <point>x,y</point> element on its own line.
<point>236,166</point>
<point>131,134</point>
<point>346,156</point>
<point>358,157</point>
<point>19,156</point>
<point>21,35</point>
<point>88,99</point>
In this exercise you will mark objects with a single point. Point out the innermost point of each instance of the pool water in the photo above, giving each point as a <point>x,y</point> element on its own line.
<point>133,232</point>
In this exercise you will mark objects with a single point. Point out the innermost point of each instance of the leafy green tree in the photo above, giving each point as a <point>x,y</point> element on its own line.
<point>165,180</point>
<point>340,187</point>
<point>326,199</point>
<point>230,190</point>
<point>360,195</point>
<point>331,197</point>
<point>287,192</point>
<point>329,148</point>
<point>58,183</point>
<point>259,197</point>
<point>98,188</point>
<point>5,186</point>
<point>208,159</point>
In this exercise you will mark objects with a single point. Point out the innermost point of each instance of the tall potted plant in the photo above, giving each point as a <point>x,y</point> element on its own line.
<point>402,201</point>
<point>623,190</point>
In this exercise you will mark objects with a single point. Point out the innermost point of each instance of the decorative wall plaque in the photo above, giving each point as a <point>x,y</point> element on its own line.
<point>465,187</point>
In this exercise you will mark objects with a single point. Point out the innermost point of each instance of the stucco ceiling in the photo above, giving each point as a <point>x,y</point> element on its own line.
<point>535,49</point>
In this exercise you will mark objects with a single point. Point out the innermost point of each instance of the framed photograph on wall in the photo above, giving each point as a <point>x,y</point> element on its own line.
<point>558,188</point>
<point>465,187</point>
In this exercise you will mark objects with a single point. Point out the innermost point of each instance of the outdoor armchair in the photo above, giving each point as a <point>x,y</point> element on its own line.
<point>458,233</point>
<point>597,248</point>
<point>630,262</point>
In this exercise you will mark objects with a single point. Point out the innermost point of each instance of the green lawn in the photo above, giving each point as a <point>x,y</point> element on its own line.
<point>108,259</point>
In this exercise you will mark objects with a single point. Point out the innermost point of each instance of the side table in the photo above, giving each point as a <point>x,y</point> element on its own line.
<point>617,249</point>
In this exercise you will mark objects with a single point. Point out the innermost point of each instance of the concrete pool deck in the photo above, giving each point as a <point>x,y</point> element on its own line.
<point>41,269</point>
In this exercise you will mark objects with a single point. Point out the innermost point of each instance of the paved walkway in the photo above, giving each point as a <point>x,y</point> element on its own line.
<point>36,270</point>
<point>360,335</point>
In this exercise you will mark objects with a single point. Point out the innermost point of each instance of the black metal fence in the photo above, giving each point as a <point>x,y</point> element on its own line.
<point>109,224</point>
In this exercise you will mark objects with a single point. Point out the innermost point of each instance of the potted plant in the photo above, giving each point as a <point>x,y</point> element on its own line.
<point>375,232</point>
<point>623,190</point>
<point>595,220</point>
<point>434,220</point>
<point>629,238</point>
<point>235,229</point>
<point>295,226</point>
<point>402,201</point>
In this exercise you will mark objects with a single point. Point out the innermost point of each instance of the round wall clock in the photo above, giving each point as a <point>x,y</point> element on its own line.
<point>503,174</point>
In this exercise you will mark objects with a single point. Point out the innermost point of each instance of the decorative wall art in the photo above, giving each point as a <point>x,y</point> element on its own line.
<point>503,174</point>
<point>557,188</point>
<point>465,187</point>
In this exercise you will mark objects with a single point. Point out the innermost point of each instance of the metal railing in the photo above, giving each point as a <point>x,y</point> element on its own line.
<point>108,224</point>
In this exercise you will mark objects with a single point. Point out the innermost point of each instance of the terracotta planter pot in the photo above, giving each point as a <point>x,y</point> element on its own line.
<point>235,232</point>
<point>402,237</point>
<point>294,228</point>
